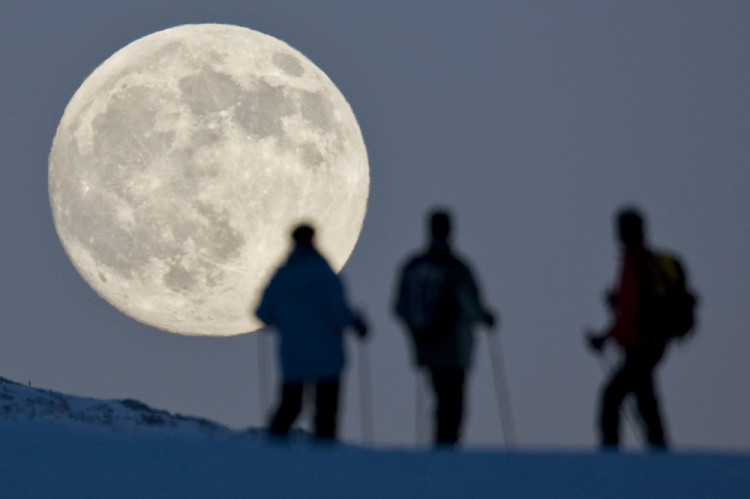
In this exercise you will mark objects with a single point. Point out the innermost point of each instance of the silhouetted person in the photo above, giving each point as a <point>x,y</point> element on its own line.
<point>305,303</point>
<point>643,346</point>
<point>439,302</point>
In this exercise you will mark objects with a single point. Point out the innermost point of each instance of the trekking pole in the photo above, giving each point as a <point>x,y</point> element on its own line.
<point>501,390</point>
<point>365,392</point>
<point>418,429</point>
<point>262,375</point>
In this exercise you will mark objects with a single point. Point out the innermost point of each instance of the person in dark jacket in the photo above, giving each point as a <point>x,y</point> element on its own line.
<point>642,347</point>
<point>439,302</point>
<point>305,303</point>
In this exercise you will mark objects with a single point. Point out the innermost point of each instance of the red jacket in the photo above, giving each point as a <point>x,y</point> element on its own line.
<point>625,328</point>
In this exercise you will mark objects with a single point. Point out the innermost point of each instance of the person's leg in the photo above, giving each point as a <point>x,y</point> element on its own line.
<point>648,404</point>
<point>288,410</point>
<point>448,384</point>
<point>326,408</point>
<point>612,397</point>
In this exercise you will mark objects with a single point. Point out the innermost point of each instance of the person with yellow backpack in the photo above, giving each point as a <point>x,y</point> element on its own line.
<point>652,305</point>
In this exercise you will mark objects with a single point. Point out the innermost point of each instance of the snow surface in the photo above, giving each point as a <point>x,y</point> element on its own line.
<point>55,445</point>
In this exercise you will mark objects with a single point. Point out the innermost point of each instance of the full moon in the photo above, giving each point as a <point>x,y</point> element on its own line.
<point>181,164</point>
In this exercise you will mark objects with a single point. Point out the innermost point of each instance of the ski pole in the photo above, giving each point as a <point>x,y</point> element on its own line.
<point>418,431</point>
<point>501,390</point>
<point>261,350</point>
<point>365,394</point>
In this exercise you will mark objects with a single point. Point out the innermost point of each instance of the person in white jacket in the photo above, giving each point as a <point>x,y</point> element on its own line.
<point>305,303</point>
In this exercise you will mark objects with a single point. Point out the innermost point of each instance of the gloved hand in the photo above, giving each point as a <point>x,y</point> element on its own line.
<point>596,341</point>
<point>610,299</point>
<point>489,319</point>
<point>360,326</point>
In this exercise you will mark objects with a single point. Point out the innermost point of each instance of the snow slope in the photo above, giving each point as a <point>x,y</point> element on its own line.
<point>54,445</point>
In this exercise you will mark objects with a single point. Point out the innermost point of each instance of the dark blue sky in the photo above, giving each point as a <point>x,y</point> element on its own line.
<point>532,121</point>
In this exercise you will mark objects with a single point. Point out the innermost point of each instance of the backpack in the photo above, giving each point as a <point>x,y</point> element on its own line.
<point>428,300</point>
<point>669,308</point>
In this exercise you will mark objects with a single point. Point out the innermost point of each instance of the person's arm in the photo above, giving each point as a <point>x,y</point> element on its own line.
<point>265,309</point>
<point>471,300</point>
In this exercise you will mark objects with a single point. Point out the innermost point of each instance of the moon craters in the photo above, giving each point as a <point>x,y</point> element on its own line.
<point>261,111</point>
<point>181,163</point>
<point>289,64</point>
<point>208,91</point>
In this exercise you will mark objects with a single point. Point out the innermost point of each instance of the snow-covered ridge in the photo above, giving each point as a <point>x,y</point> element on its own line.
<point>57,445</point>
<point>20,402</point>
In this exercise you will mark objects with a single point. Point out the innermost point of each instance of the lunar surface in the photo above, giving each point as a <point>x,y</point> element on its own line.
<point>181,164</point>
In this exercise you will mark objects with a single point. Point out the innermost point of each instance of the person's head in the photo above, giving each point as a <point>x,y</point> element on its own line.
<point>631,227</point>
<point>440,225</point>
<point>303,235</point>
